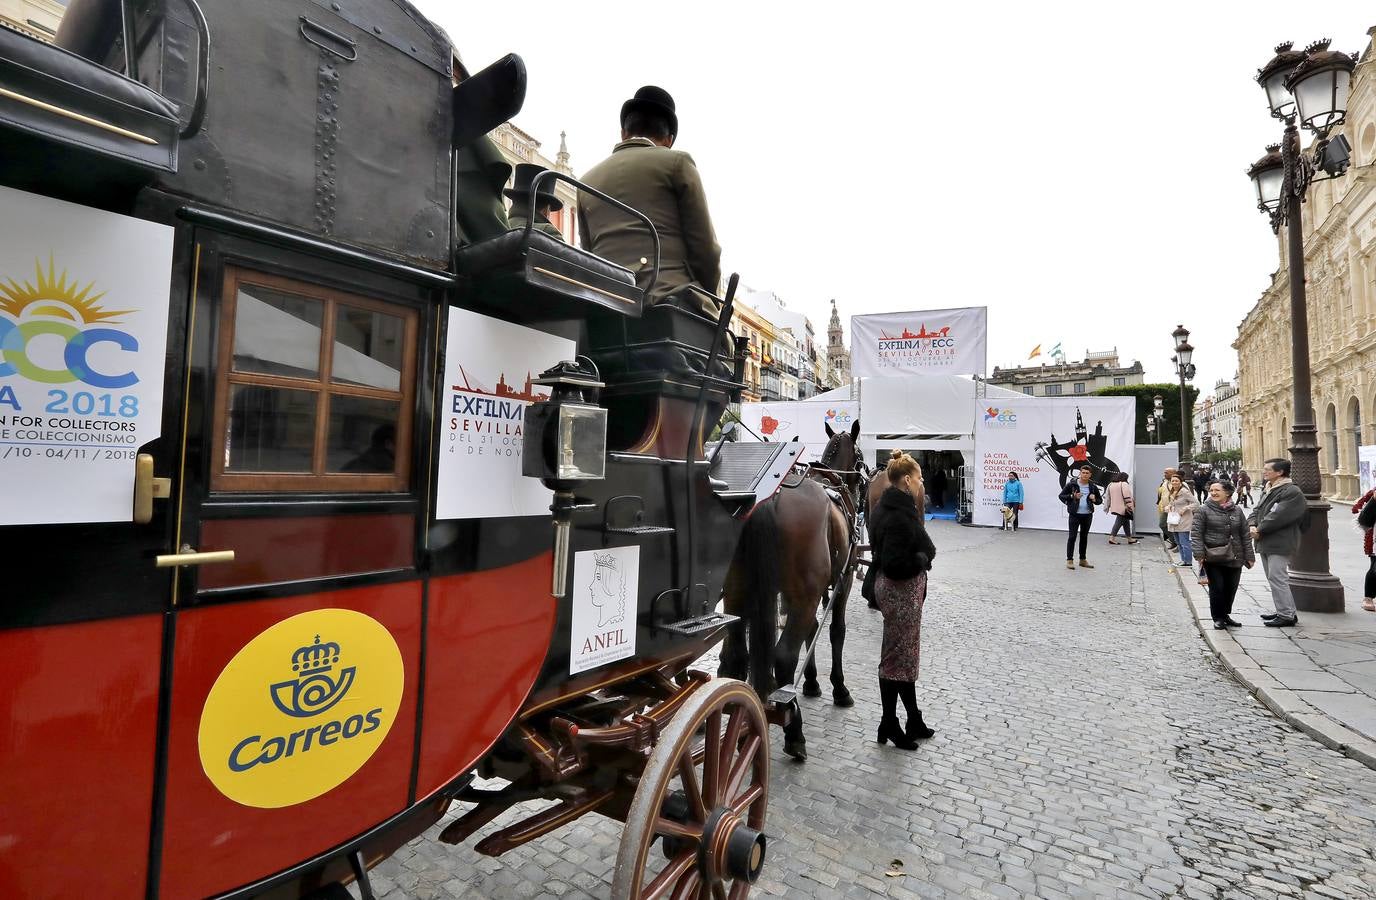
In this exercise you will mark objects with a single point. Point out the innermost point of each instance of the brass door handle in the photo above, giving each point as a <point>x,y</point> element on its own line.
<point>147,488</point>
<point>190,557</point>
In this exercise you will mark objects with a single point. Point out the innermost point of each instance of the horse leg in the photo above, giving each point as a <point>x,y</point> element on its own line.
<point>840,695</point>
<point>810,686</point>
<point>735,654</point>
<point>802,619</point>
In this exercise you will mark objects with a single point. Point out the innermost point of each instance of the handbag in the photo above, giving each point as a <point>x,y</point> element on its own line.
<point>867,586</point>
<point>1220,556</point>
<point>1173,518</point>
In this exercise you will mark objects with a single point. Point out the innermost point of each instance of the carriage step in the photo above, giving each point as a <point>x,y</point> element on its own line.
<point>699,624</point>
<point>784,696</point>
<point>641,529</point>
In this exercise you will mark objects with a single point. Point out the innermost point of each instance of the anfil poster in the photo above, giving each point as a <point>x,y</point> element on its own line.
<point>606,590</point>
<point>489,366</point>
<point>83,347</point>
<point>1046,441</point>
<point>1366,467</point>
<point>922,342</point>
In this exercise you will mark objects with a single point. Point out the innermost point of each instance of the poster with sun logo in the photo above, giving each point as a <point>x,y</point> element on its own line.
<point>83,340</point>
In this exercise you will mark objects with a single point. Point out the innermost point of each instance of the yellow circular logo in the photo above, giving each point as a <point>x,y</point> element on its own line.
<point>300,708</point>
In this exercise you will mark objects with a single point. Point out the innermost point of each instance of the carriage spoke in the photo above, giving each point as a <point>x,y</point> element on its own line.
<point>739,890</point>
<point>688,887</point>
<point>728,745</point>
<point>742,803</point>
<point>687,771</point>
<point>672,873</point>
<point>718,891</point>
<point>711,761</point>
<point>677,829</point>
<point>742,765</point>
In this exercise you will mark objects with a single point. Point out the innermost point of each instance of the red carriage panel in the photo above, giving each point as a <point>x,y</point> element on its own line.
<point>265,767</point>
<point>487,636</point>
<point>274,549</point>
<point>77,757</point>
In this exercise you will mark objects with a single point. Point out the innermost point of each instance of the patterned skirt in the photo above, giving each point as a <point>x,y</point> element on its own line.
<point>901,603</point>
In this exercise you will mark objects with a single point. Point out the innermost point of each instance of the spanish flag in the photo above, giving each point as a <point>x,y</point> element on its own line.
<point>1036,352</point>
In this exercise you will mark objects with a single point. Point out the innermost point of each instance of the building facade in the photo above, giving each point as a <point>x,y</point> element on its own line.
<point>1218,422</point>
<point>1096,370</point>
<point>519,147</point>
<point>1339,227</point>
<point>36,18</point>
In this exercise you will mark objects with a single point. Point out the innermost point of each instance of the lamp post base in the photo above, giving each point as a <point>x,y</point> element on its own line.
<point>1315,588</point>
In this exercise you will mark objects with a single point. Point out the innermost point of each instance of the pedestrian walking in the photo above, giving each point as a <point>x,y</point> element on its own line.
<point>1120,505</point>
<point>1244,489</point>
<point>1163,500</point>
<point>1180,517</point>
<point>1080,497</point>
<point>1221,541</point>
<point>903,552</point>
<point>1276,524</point>
<point>1012,501</point>
<point>1365,510</point>
<point>1202,477</point>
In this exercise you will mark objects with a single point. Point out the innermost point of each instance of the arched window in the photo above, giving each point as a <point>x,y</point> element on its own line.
<point>1330,438</point>
<point>1283,439</point>
<point>1354,424</point>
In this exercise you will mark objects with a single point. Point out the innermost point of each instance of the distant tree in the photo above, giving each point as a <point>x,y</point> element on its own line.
<point>1170,396</point>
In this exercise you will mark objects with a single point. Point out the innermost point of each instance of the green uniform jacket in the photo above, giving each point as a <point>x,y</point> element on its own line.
<point>664,185</point>
<point>480,173</point>
<point>519,216</point>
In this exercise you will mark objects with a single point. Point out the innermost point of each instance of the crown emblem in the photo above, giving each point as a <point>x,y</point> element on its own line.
<point>316,687</point>
<point>316,657</point>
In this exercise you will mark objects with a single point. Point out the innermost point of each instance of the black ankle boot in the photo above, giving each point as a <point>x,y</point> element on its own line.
<point>917,730</point>
<point>889,730</point>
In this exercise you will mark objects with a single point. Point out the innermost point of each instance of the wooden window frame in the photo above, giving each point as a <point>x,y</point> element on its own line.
<point>318,480</point>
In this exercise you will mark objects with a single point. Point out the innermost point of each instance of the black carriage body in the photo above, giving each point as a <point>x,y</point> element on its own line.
<point>309,143</point>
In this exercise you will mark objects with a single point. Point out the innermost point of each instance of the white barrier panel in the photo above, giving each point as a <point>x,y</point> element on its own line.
<point>807,420</point>
<point>1045,440</point>
<point>925,342</point>
<point>1366,467</point>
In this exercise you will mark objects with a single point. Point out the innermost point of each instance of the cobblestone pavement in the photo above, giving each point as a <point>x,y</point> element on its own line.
<point>1088,745</point>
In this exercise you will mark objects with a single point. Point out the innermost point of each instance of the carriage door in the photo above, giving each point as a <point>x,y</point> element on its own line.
<point>91,311</point>
<point>294,690</point>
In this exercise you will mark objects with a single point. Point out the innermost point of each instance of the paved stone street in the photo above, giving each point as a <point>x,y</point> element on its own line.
<point>1088,745</point>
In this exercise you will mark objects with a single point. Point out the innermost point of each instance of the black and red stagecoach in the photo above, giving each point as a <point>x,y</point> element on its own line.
<point>311,509</point>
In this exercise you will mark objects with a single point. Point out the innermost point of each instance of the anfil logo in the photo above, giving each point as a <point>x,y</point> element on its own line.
<point>314,690</point>
<point>996,417</point>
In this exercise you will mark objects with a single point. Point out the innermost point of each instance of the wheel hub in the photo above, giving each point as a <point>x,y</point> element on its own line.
<point>730,848</point>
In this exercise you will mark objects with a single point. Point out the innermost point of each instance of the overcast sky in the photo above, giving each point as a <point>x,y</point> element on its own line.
<point>1077,167</point>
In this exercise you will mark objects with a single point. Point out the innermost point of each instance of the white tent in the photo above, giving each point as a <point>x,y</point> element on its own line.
<point>923,412</point>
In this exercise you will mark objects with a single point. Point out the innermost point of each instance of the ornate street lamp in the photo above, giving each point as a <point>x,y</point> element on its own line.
<point>1184,368</point>
<point>1313,87</point>
<point>1151,429</point>
<point>1158,412</point>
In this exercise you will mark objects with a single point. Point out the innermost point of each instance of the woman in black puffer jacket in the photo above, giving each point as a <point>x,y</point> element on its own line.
<point>903,553</point>
<point>1220,530</point>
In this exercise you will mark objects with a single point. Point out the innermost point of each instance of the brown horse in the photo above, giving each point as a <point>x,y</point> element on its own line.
<point>796,545</point>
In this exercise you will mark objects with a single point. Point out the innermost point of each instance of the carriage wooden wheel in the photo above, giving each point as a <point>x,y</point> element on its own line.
<point>702,801</point>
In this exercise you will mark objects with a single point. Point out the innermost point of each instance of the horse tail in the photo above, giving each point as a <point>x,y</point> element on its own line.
<point>759,547</point>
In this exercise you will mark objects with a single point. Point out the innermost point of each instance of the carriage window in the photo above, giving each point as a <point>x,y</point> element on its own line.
<point>315,388</point>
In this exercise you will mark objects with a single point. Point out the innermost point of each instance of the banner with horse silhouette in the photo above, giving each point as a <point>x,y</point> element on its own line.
<point>1045,441</point>
<point>924,342</point>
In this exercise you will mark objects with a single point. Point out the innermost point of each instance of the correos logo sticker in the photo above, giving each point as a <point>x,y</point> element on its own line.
<point>301,708</point>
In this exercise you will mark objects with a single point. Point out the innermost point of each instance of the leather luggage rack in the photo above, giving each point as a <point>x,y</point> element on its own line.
<point>540,276</point>
<point>63,110</point>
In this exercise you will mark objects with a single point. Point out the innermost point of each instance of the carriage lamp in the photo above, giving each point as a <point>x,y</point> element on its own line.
<point>565,446</point>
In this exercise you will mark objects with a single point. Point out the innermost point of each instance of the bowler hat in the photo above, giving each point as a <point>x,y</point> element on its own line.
<point>655,100</point>
<point>520,187</point>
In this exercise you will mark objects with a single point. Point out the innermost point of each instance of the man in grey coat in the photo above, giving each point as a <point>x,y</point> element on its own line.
<point>646,174</point>
<point>1275,526</point>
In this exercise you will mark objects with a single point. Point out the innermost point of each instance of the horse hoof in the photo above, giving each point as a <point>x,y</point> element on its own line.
<point>842,698</point>
<point>796,749</point>
<point>812,689</point>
